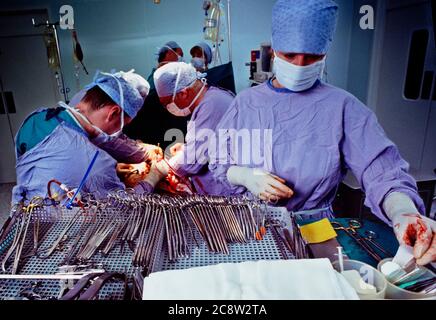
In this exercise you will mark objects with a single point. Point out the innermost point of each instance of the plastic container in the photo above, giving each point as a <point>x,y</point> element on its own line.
<point>369,274</point>
<point>394,292</point>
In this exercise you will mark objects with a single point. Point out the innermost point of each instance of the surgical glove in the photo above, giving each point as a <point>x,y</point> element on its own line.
<point>158,171</point>
<point>124,168</point>
<point>411,228</point>
<point>176,148</point>
<point>154,153</point>
<point>260,183</point>
<point>132,174</point>
<point>178,186</point>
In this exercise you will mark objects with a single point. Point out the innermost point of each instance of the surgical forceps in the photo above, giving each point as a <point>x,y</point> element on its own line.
<point>351,231</point>
<point>370,237</point>
<point>21,233</point>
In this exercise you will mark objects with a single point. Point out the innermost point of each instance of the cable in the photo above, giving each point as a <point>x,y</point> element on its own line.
<point>70,203</point>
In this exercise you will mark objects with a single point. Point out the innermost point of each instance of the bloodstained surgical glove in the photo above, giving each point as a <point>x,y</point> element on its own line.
<point>154,153</point>
<point>411,228</point>
<point>260,183</point>
<point>178,147</point>
<point>132,174</point>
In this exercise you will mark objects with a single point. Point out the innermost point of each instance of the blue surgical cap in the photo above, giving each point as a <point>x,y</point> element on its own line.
<point>206,49</point>
<point>303,26</point>
<point>110,84</point>
<point>171,44</point>
<point>166,82</point>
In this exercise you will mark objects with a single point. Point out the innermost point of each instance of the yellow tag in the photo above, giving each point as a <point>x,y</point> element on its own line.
<point>318,232</point>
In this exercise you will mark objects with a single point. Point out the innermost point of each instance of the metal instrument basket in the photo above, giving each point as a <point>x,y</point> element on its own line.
<point>53,220</point>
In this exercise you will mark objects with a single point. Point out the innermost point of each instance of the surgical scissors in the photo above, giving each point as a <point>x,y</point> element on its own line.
<point>351,231</point>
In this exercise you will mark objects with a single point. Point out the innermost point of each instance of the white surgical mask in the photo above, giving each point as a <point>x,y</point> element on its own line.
<point>297,78</point>
<point>174,109</point>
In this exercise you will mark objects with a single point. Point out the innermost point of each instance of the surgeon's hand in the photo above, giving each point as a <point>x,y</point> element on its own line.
<point>177,186</point>
<point>176,149</point>
<point>124,168</point>
<point>132,174</point>
<point>266,186</point>
<point>154,153</point>
<point>417,231</point>
<point>158,171</point>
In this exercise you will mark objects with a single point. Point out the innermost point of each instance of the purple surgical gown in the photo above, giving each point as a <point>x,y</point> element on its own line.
<point>317,135</point>
<point>65,155</point>
<point>201,129</point>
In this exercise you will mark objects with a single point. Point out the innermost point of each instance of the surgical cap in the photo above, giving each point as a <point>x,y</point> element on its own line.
<point>136,81</point>
<point>133,101</point>
<point>171,44</point>
<point>165,78</point>
<point>303,26</point>
<point>206,49</point>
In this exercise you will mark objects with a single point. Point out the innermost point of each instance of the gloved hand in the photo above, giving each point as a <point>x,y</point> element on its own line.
<point>131,174</point>
<point>417,231</point>
<point>177,185</point>
<point>158,171</point>
<point>124,168</point>
<point>176,148</point>
<point>154,153</point>
<point>260,183</point>
<point>411,228</point>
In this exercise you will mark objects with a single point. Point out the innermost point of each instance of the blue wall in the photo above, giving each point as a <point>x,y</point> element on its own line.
<point>359,63</point>
<point>126,34</point>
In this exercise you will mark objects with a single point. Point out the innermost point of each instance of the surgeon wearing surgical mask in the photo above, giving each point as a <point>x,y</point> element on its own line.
<point>184,91</point>
<point>169,52</point>
<point>121,148</point>
<point>201,56</point>
<point>319,132</point>
<point>55,143</point>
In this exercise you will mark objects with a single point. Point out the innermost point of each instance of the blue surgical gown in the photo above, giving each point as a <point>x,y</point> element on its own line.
<point>65,155</point>
<point>201,129</point>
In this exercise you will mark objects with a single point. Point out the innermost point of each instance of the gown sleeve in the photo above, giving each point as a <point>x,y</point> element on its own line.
<point>374,159</point>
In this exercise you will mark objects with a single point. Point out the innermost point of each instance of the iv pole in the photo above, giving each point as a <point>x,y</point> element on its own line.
<point>229,29</point>
<point>5,105</point>
<point>58,51</point>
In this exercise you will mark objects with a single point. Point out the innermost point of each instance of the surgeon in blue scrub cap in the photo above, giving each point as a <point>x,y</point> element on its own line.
<point>319,132</point>
<point>169,52</point>
<point>201,56</point>
<point>55,144</point>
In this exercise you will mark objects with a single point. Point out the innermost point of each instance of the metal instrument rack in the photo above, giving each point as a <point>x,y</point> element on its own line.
<point>54,219</point>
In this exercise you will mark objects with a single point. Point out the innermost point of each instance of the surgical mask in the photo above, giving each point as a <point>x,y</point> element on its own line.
<point>174,109</point>
<point>198,63</point>
<point>297,78</point>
